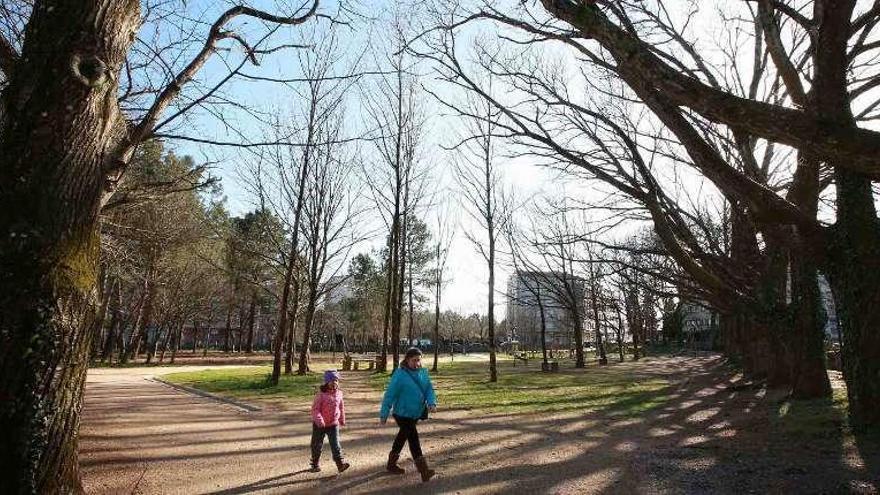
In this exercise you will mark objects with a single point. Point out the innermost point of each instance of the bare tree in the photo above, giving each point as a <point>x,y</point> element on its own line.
<point>484,198</point>
<point>827,73</point>
<point>444,234</point>
<point>394,111</point>
<point>556,271</point>
<point>329,215</point>
<point>279,177</point>
<point>532,279</point>
<point>550,120</point>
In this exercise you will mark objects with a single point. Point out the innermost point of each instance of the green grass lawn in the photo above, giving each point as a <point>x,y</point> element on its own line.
<point>464,385</point>
<point>248,383</point>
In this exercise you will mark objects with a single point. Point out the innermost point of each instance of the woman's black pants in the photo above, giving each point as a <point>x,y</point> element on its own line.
<point>407,433</point>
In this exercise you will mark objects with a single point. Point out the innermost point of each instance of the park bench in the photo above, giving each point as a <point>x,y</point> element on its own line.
<point>350,363</point>
<point>550,365</point>
<point>520,356</point>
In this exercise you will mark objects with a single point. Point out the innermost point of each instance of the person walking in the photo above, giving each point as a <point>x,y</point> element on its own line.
<point>328,415</point>
<point>408,398</point>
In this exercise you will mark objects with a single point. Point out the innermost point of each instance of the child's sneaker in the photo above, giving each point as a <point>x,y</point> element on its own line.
<point>342,465</point>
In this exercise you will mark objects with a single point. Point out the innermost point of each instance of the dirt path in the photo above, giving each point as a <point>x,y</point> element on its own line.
<point>712,436</point>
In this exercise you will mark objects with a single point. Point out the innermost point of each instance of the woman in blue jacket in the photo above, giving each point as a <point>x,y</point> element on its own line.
<point>408,398</point>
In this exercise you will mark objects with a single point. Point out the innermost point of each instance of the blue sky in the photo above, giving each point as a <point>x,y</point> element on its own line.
<point>467,289</point>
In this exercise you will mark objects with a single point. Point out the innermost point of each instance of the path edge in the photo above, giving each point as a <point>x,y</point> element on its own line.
<point>201,393</point>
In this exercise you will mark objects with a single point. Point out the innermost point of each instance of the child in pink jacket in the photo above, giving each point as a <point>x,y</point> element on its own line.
<point>328,414</point>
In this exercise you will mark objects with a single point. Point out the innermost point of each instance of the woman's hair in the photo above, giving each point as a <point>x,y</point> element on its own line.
<point>411,352</point>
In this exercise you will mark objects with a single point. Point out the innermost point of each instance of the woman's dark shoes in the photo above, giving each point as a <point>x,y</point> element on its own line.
<point>392,466</point>
<point>314,468</point>
<point>342,465</point>
<point>422,465</point>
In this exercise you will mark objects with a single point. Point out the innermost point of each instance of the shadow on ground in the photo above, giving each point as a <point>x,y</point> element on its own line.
<point>709,432</point>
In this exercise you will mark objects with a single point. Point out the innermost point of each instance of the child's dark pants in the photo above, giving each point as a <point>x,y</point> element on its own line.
<point>332,433</point>
<point>407,434</point>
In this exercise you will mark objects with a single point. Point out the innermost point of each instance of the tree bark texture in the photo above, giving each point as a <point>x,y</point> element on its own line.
<point>854,251</point>
<point>61,124</point>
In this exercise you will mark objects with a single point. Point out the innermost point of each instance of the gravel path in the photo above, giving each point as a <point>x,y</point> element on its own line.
<point>712,436</point>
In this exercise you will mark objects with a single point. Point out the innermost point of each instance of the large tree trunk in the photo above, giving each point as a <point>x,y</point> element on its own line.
<point>854,265</point>
<point>807,317</point>
<point>807,321</point>
<point>854,254</point>
<point>59,128</point>
<point>759,330</point>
